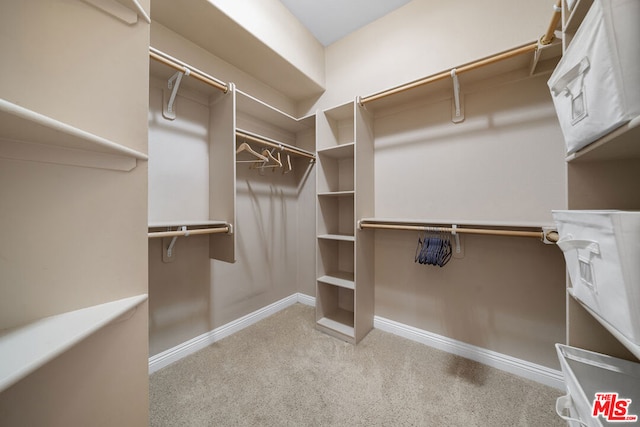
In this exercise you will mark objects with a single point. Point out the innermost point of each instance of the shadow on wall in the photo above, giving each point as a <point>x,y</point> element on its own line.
<point>505,108</point>
<point>506,295</point>
<point>266,245</point>
<point>179,292</point>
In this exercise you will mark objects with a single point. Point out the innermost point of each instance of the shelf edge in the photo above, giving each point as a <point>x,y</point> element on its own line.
<point>99,316</point>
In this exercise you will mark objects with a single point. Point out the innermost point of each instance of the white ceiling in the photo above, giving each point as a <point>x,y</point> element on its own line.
<point>330,20</point>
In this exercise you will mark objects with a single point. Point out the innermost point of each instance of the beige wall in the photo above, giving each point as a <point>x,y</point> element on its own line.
<point>504,164</point>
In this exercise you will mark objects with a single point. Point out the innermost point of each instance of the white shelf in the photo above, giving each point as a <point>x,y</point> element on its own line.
<point>339,278</point>
<point>254,107</point>
<point>337,193</point>
<point>622,143</point>
<point>27,135</point>
<point>26,348</point>
<point>188,223</point>
<point>341,237</point>
<point>631,346</point>
<point>342,151</point>
<point>576,15</point>
<point>340,321</point>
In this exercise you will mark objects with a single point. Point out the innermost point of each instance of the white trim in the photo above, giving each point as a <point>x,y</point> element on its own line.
<point>522,368</point>
<point>167,357</point>
<point>306,300</point>
<point>519,367</point>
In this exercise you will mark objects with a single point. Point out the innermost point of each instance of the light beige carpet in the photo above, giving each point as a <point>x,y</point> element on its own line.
<point>282,372</point>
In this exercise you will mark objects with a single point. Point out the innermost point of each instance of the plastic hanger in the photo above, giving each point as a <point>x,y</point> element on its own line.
<point>269,157</point>
<point>287,167</point>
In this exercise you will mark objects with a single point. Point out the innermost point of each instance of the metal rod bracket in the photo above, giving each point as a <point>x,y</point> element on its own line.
<point>168,110</point>
<point>457,111</point>
<point>174,239</point>
<point>457,237</point>
<point>549,235</point>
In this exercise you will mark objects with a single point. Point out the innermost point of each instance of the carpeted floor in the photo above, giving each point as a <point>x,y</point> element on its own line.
<point>282,372</point>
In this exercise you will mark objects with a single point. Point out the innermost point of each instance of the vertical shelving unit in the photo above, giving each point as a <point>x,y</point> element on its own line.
<point>73,185</point>
<point>344,309</point>
<point>600,176</point>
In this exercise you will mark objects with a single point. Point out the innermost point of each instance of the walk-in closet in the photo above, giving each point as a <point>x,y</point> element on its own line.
<point>215,213</point>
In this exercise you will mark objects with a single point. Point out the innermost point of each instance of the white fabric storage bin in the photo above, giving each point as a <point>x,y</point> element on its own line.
<point>596,85</point>
<point>587,373</point>
<point>602,252</point>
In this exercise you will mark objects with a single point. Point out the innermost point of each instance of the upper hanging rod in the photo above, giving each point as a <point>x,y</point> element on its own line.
<point>447,74</point>
<point>555,18</point>
<point>275,144</point>
<point>544,235</point>
<point>185,68</point>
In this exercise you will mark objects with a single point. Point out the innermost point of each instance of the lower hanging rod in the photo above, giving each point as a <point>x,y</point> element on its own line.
<point>550,235</point>
<point>179,233</point>
<point>275,144</point>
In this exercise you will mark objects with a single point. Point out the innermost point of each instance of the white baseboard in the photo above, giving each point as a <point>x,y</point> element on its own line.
<point>306,300</point>
<point>522,368</point>
<point>519,367</point>
<point>180,351</point>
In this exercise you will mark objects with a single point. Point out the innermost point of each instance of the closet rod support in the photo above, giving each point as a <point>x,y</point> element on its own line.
<point>173,84</point>
<point>454,233</point>
<point>457,113</point>
<point>550,236</point>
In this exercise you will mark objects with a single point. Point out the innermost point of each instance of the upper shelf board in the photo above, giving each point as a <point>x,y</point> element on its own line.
<point>342,151</point>
<point>188,223</point>
<point>254,107</point>
<point>26,348</point>
<point>28,135</point>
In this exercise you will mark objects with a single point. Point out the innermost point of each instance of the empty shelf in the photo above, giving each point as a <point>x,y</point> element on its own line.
<point>340,321</point>
<point>339,278</point>
<point>630,345</point>
<point>337,237</point>
<point>188,223</point>
<point>27,135</point>
<point>620,144</point>
<point>337,193</point>
<point>342,151</point>
<point>28,347</point>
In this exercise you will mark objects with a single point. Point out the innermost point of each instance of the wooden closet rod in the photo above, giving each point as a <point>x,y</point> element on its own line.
<point>549,35</point>
<point>183,68</point>
<point>179,233</point>
<point>551,235</point>
<point>447,74</point>
<point>275,144</point>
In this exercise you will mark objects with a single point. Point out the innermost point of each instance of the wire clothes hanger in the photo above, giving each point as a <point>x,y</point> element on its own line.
<point>433,249</point>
